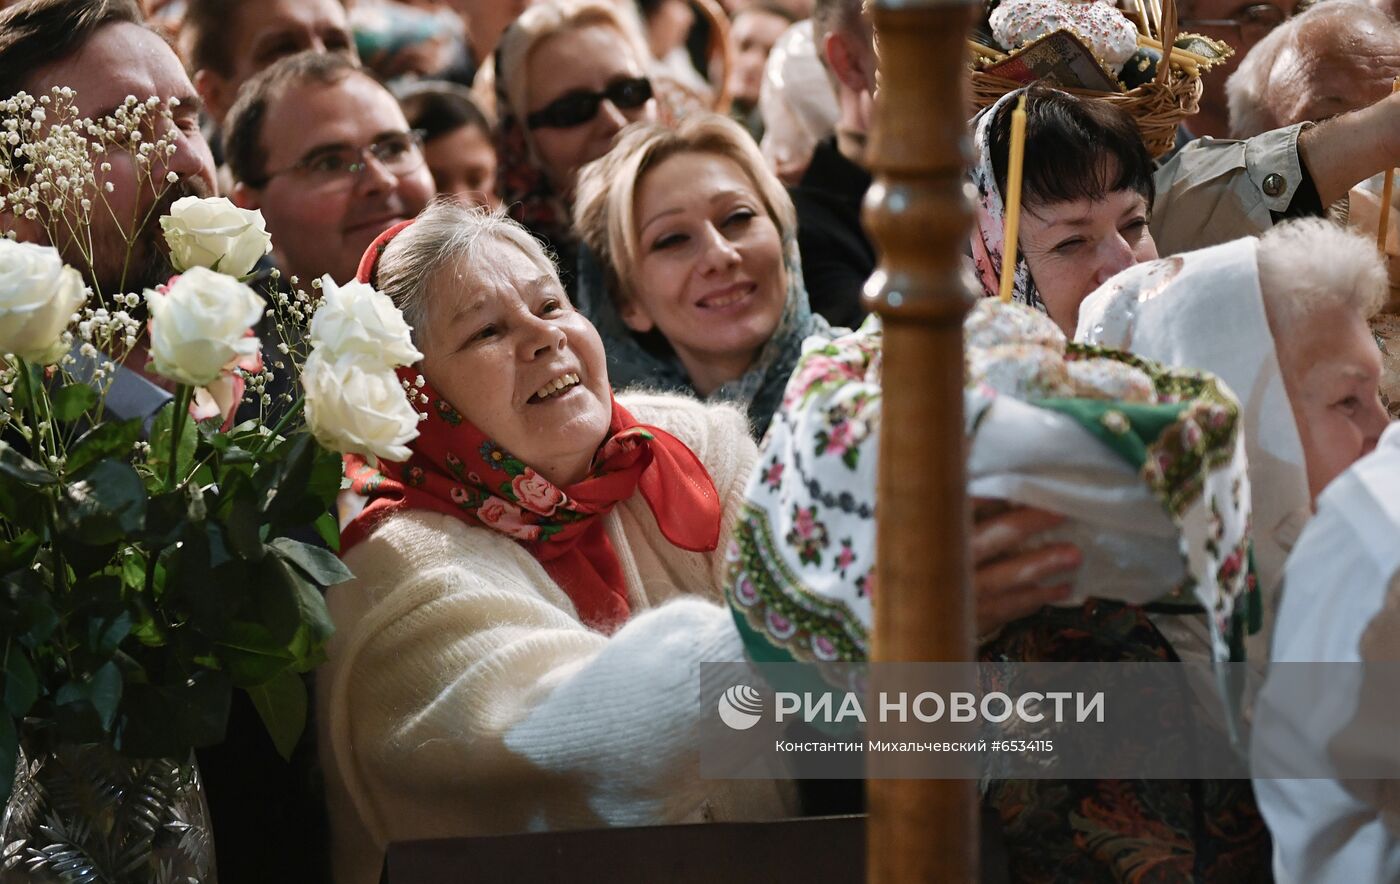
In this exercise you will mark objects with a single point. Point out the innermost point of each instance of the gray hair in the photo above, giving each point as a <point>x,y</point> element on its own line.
<point>443,235</point>
<point>1310,266</point>
<point>1251,98</point>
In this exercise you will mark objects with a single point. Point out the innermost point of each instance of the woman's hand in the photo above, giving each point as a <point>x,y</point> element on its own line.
<point>1008,580</point>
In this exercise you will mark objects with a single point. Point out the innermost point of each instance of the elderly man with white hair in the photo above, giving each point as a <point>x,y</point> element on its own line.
<point>1337,57</point>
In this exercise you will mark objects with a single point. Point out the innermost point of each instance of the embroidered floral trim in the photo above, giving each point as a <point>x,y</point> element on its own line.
<point>774,602</point>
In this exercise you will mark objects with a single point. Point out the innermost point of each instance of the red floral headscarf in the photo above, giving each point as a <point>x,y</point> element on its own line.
<point>457,470</point>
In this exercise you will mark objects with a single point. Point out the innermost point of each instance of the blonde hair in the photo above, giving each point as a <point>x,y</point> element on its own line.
<point>445,234</point>
<point>605,207</point>
<point>1310,266</point>
<point>542,21</point>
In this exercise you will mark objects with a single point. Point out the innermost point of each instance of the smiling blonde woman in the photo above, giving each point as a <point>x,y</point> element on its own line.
<point>698,242</point>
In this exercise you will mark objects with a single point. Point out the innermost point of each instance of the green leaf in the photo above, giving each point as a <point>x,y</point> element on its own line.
<point>18,553</point>
<point>251,656</point>
<point>325,477</point>
<point>210,432</point>
<point>320,565</point>
<point>20,506</point>
<point>211,594</point>
<point>17,466</point>
<point>73,401</point>
<point>302,487</point>
<point>281,703</point>
<point>309,652</point>
<point>239,512</point>
<point>274,583</point>
<point>26,608</point>
<point>159,721</point>
<point>235,455</point>
<point>161,431</point>
<point>104,635</point>
<point>112,439</point>
<point>21,684</point>
<point>291,474</point>
<point>85,559</point>
<point>329,529</point>
<point>166,519</point>
<point>133,570</point>
<point>90,702</point>
<point>108,504</point>
<point>287,601</point>
<point>312,607</point>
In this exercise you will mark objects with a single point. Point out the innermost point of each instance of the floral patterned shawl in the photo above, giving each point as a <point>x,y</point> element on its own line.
<point>988,237</point>
<point>457,470</point>
<point>1164,480</point>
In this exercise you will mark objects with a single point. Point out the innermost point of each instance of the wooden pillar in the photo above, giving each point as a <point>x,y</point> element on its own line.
<point>920,218</point>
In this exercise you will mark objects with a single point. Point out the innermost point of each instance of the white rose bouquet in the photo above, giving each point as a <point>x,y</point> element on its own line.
<point>153,563</point>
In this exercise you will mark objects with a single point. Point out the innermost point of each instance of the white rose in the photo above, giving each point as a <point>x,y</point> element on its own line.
<point>354,319</point>
<point>38,296</point>
<point>214,233</point>
<point>354,405</point>
<point>202,326</point>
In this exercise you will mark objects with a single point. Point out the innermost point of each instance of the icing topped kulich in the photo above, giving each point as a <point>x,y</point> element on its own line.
<point>1021,371</point>
<point>1106,31</point>
<point>991,323</point>
<point>1111,380</point>
<point>1019,352</point>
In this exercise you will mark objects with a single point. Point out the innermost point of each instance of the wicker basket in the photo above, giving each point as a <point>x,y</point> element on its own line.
<point>1157,106</point>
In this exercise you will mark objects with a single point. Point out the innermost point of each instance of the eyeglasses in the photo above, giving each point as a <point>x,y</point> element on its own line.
<point>577,108</point>
<point>1254,21</point>
<point>399,153</point>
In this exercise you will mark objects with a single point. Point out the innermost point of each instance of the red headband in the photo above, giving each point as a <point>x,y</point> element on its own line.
<point>369,261</point>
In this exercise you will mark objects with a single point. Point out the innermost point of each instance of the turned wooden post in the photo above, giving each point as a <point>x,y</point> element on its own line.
<point>920,218</point>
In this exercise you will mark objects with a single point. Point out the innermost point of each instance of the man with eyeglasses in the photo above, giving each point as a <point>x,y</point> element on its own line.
<point>1337,57</point>
<point>325,152</point>
<point>1239,23</point>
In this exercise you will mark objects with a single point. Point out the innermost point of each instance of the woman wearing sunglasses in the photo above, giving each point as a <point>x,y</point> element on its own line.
<point>697,240</point>
<point>570,74</point>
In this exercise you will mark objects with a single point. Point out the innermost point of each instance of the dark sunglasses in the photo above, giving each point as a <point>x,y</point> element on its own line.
<point>577,108</point>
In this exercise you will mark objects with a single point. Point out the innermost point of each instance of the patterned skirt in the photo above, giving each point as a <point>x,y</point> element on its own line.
<point>1139,831</point>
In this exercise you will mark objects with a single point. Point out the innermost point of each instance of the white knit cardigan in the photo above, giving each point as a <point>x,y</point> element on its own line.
<point>463,696</point>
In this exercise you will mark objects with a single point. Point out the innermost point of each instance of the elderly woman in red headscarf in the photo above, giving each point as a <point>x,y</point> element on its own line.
<point>537,584</point>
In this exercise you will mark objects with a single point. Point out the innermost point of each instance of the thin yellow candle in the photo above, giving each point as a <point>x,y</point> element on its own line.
<point>1146,19</point>
<point>1384,227</point>
<point>1013,198</point>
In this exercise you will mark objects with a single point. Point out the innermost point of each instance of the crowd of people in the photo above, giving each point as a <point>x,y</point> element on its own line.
<point>615,236</point>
